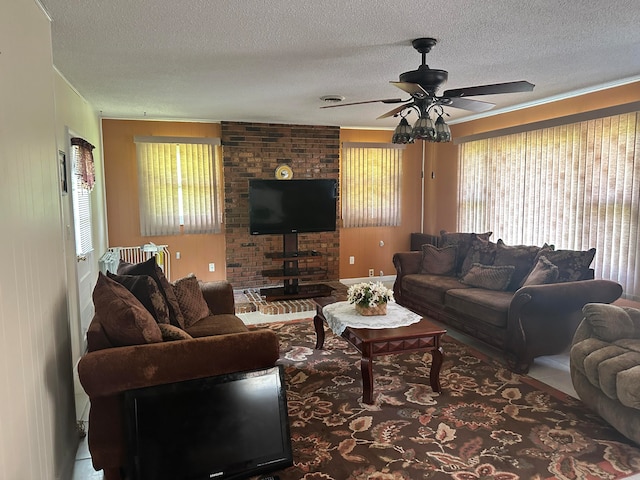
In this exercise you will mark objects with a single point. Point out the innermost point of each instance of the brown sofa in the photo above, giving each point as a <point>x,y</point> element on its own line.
<point>505,296</point>
<point>132,351</point>
<point>605,365</point>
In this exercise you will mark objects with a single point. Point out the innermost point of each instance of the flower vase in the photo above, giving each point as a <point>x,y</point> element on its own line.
<point>380,309</point>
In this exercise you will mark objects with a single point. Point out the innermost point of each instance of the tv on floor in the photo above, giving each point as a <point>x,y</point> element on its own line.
<point>226,427</point>
<point>292,206</point>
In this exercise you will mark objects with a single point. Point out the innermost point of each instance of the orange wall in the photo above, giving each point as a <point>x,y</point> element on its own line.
<point>364,243</point>
<point>441,198</point>
<point>121,183</point>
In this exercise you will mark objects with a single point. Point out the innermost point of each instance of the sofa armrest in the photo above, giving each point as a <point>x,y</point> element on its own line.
<point>219,297</point>
<point>406,263</point>
<point>115,370</point>
<point>543,318</point>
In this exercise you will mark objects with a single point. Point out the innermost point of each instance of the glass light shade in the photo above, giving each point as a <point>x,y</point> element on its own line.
<point>443,133</point>
<point>402,133</point>
<point>424,129</point>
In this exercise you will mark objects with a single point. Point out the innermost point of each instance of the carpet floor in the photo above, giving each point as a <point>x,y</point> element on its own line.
<point>487,424</point>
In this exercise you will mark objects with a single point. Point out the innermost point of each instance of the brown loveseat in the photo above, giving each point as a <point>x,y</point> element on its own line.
<point>605,365</point>
<point>525,300</point>
<point>129,349</point>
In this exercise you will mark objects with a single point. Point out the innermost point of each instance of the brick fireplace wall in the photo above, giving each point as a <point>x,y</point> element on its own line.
<point>254,150</point>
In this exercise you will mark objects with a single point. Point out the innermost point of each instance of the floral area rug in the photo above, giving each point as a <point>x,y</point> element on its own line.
<point>487,424</point>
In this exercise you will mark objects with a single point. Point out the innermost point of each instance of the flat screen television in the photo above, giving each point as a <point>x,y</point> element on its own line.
<point>225,427</point>
<point>292,206</point>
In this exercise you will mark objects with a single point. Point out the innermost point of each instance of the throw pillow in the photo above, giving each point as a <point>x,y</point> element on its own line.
<point>124,319</point>
<point>481,251</point>
<point>192,303</point>
<point>438,261</point>
<point>490,277</point>
<point>573,265</point>
<point>151,268</point>
<point>171,333</point>
<point>611,322</point>
<point>463,242</point>
<point>145,289</point>
<point>520,256</point>
<point>543,272</point>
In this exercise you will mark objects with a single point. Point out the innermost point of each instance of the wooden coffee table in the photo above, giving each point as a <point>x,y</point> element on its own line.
<point>421,336</point>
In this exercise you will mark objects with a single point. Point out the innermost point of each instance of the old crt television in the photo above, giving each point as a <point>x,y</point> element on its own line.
<point>226,427</point>
<point>292,206</point>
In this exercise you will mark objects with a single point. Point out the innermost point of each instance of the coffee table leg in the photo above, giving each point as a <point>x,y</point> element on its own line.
<point>366,367</point>
<point>437,356</point>
<point>318,323</point>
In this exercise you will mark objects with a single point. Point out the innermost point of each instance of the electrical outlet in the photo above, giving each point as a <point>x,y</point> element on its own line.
<point>177,255</point>
<point>371,272</point>
<point>381,273</point>
<point>352,260</point>
<point>212,267</point>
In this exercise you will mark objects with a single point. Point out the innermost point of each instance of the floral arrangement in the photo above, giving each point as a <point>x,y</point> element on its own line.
<point>369,294</point>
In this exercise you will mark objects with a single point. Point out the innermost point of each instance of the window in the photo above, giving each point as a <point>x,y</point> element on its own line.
<point>371,178</point>
<point>577,186</point>
<point>82,181</point>
<point>180,183</point>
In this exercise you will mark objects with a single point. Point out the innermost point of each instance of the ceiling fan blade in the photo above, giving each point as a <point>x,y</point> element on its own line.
<point>497,88</point>
<point>469,104</point>
<point>414,89</point>
<point>393,112</point>
<point>384,100</point>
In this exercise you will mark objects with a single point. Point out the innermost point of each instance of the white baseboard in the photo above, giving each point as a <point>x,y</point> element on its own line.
<point>383,279</point>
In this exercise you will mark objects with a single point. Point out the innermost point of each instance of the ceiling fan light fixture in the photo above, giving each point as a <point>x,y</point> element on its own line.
<point>402,133</point>
<point>424,129</point>
<point>443,132</point>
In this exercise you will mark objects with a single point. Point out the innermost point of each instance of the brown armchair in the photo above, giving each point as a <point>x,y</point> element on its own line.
<point>222,344</point>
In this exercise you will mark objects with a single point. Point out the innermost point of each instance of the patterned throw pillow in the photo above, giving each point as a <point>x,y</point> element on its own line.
<point>463,242</point>
<point>192,303</point>
<point>151,268</point>
<point>481,251</point>
<point>520,256</point>
<point>573,265</point>
<point>171,333</point>
<point>145,289</point>
<point>438,261</point>
<point>123,318</point>
<point>544,272</point>
<point>490,277</point>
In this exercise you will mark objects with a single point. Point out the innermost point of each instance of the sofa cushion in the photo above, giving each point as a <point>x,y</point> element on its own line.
<point>430,288</point>
<point>490,306</point>
<point>481,251</point>
<point>171,333</point>
<point>491,277</point>
<point>151,268</point>
<point>611,322</point>
<point>462,241</point>
<point>123,318</point>
<point>543,273</point>
<point>438,261</point>
<point>190,299</point>
<point>217,325</point>
<point>145,289</point>
<point>520,256</point>
<point>573,265</point>
<point>629,387</point>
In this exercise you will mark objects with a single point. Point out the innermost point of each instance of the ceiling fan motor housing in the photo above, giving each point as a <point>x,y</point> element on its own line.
<point>427,78</point>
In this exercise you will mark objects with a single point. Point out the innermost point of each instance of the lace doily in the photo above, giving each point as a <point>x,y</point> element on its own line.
<point>341,315</point>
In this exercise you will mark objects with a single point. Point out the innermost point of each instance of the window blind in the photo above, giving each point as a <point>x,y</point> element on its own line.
<point>81,204</point>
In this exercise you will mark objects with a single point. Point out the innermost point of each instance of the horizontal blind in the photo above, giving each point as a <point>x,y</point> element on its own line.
<point>81,205</point>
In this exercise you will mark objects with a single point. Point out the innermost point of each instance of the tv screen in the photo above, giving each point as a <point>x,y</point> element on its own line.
<point>229,426</point>
<point>292,206</point>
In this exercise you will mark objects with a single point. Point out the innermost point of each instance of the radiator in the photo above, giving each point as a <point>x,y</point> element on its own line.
<point>110,260</point>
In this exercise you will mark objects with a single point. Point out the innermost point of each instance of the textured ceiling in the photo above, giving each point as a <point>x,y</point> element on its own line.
<point>272,60</point>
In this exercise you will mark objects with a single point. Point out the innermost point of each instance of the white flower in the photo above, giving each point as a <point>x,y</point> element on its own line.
<point>369,294</point>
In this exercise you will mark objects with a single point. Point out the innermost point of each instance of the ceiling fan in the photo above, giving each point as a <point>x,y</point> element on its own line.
<point>422,84</point>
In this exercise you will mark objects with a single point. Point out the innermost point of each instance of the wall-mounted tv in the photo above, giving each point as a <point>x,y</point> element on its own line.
<point>292,206</point>
<point>226,427</point>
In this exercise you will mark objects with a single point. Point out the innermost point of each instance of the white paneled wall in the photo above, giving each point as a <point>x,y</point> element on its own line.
<point>37,415</point>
